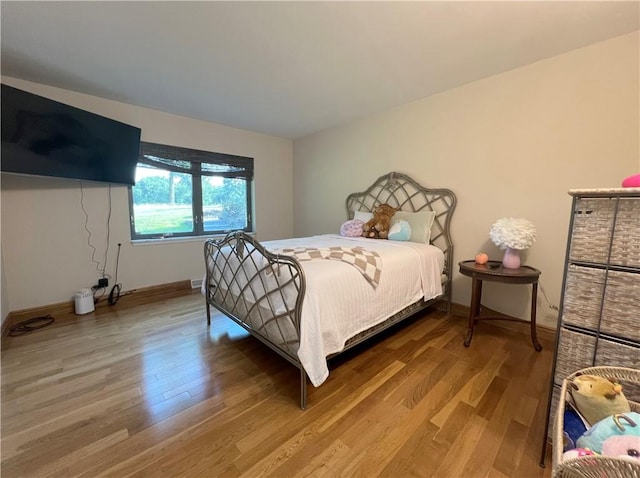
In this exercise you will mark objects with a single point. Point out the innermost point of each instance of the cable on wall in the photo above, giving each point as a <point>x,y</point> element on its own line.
<point>114,295</point>
<point>95,289</point>
<point>106,252</point>
<point>551,305</point>
<point>86,228</point>
<point>101,269</point>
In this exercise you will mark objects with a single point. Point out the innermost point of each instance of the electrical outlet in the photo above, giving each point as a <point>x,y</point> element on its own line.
<point>104,282</point>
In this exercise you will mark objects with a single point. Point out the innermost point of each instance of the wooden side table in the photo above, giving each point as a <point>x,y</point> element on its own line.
<point>495,272</point>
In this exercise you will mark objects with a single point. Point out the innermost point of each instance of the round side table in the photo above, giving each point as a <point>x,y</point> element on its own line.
<point>494,271</point>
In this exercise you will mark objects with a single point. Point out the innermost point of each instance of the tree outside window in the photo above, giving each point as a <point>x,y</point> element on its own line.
<point>186,192</point>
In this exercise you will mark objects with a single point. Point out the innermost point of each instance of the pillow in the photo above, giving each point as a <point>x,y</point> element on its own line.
<point>399,231</point>
<point>352,228</point>
<point>420,223</point>
<point>363,216</point>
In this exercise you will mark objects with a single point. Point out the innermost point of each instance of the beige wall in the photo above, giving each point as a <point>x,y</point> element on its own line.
<point>46,257</point>
<point>508,145</point>
<point>4,295</point>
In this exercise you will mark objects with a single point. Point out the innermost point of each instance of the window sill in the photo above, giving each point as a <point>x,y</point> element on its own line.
<point>172,240</point>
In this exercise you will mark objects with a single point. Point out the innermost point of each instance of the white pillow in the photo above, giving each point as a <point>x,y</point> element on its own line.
<point>420,223</point>
<point>363,216</point>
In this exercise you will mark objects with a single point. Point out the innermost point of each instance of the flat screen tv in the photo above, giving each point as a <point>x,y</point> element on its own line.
<point>46,138</point>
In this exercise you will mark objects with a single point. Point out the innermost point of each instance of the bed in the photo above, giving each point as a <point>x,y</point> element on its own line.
<point>278,290</point>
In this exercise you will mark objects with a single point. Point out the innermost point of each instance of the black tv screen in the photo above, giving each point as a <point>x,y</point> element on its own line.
<point>47,138</point>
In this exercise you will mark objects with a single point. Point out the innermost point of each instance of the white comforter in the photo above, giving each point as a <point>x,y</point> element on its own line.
<point>339,302</point>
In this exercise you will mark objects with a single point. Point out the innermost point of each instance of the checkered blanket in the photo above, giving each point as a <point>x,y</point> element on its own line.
<point>367,262</point>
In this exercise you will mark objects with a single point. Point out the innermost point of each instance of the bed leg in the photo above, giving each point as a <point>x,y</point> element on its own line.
<point>303,390</point>
<point>449,299</point>
<point>208,314</point>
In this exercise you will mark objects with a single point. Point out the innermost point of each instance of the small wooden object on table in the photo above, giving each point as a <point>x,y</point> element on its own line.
<point>494,271</point>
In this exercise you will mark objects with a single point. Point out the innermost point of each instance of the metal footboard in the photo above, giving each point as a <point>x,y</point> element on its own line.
<point>261,291</point>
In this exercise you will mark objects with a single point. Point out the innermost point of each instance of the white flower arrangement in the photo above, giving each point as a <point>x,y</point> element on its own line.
<point>513,233</point>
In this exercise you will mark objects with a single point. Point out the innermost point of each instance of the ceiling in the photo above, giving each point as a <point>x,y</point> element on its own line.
<point>289,69</point>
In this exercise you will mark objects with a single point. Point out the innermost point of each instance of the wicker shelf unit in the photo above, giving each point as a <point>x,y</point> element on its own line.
<point>598,321</point>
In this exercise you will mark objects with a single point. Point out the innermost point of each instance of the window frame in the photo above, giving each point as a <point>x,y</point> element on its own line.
<point>171,159</point>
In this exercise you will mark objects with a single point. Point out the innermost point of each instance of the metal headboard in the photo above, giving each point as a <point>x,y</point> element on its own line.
<point>401,191</point>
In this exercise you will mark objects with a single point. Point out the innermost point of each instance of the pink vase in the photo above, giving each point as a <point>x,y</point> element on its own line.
<point>511,259</point>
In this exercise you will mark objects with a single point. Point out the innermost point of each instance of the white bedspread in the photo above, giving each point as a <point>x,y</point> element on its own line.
<point>339,303</point>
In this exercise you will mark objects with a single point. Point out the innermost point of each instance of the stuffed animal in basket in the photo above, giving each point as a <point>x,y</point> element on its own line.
<point>378,226</point>
<point>617,435</point>
<point>623,446</point>
<point>596,397</point>
<point>574,427</point>
<point>576,453</point>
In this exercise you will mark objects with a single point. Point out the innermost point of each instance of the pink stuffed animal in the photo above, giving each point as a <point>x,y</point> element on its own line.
<point>622,446</point>
<point>577,453</point>
<point>631,181</point>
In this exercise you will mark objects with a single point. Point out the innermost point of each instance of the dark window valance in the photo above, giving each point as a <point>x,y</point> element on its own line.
<point>186,160</point>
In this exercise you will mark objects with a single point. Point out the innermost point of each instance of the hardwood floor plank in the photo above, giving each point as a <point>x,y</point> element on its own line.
<point>378,441</point>
<point>363,393</point>
<point>221,427</point>
<point>413,452</point>
<point>510,451</point>
<point>475,388</point>
<point>329,463</point>
<point>499,419</point>
<point>380,452</point>
<point>146,439</point>
<point>285,453</point>
<point>56,428</point>
<point>463,439</point>
<point>146,389</point>
<point>418,332</point>
<point>457,420</point>
<point>61,465</point>
<point>493,395</point>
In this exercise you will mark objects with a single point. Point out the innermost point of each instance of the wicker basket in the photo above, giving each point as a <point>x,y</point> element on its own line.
<point>584,300</point>
<point>595,219</point>
<point>596,466</point>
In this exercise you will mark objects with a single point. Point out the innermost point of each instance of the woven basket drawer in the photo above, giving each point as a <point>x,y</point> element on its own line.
<point>625,249</point>
<point>583,295</point>
<point>618,355</point>
<point>592,227</point>
<point>575,351</point>
<point>593,223</point>
<point>621,304</point>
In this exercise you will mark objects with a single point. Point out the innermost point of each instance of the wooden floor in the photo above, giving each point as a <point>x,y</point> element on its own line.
<point>151,391</point>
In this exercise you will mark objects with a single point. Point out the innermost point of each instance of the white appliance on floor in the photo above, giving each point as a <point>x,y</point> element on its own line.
<point>84,302</point>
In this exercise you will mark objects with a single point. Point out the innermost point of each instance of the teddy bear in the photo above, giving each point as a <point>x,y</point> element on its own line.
<point>378,226</point>
<point>596,397</point>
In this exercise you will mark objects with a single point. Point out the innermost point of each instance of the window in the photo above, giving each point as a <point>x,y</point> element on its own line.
<point>186,192</point>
